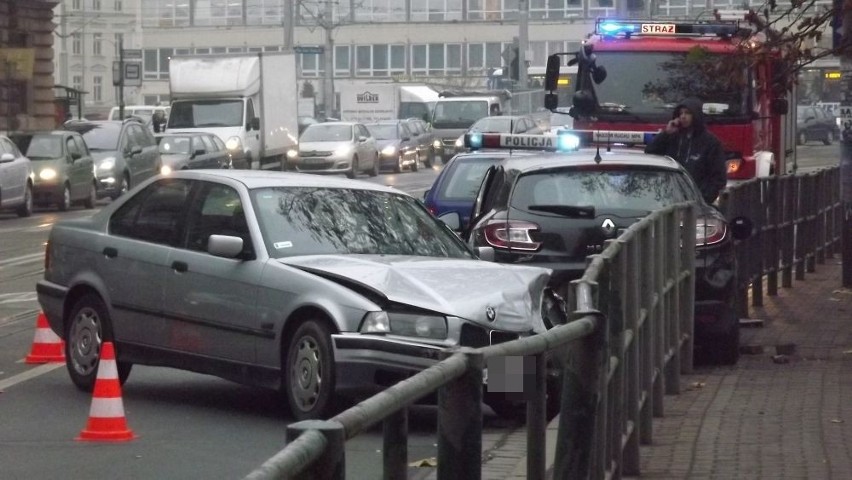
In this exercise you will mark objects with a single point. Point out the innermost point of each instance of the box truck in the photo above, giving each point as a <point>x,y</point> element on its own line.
<point>372,102</point>
<point>247,100</point>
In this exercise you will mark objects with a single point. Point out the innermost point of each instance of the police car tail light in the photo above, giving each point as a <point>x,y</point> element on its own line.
<point>710,230</point>
<point>514,234</point>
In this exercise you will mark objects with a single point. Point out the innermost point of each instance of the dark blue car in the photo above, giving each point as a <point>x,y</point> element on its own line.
<point>456,186</point>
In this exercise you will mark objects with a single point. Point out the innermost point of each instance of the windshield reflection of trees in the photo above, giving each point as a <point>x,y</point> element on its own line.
<point>311,221</point>
<point>607,189</point>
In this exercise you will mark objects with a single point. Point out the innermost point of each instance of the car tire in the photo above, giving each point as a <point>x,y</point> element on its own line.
<point>415,166</point>
<point>829,138</point>
<point>428,162</point>
<point>309,371</point>
<point>123,188</point>
<point>353,172</point>
<point>26,208</point>
<point>802,138</point>
<point>65,202</point>
<point>89,202</point>
<point>88,327</point>
<point>398,167</point>
<point>375,170</point>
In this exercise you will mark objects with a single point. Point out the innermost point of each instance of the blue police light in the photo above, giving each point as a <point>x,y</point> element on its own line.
<point>567,142</point>
<point>474,140</point>
<point>612,28</point>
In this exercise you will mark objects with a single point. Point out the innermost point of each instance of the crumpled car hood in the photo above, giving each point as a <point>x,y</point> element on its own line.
<point>460,288</point>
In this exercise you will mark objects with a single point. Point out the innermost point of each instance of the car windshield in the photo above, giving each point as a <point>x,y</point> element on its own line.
<point>206,113</point>
<point>332,221</point>
<point>642,190</point>
<point>459,114</point>
<point>653,82</point>
<point>464,176</point>
<point>327,133</point>
<point>39,147</point>
<point>493,125</point>
<point>383,131</point>
<point>173,145</point>
<point>99,136</point>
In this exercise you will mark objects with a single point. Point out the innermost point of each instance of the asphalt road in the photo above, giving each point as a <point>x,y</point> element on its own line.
<point>188,425</point>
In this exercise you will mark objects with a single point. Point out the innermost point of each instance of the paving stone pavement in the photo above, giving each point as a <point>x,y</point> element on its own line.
<point>760,419</point>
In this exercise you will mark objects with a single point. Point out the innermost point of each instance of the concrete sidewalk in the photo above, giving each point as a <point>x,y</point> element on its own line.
<point>768,417</point>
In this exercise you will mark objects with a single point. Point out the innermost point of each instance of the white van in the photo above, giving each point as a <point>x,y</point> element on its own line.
<point>143,111</point>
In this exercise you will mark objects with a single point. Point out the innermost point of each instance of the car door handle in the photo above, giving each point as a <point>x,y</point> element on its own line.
<point>180,266</point>
<point>110,252</point>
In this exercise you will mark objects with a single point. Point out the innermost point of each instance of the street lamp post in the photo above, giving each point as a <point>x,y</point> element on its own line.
<point>121,77</point>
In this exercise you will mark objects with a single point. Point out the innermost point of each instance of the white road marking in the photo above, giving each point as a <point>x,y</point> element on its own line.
<point>22,260</point>
<point>29,375</point>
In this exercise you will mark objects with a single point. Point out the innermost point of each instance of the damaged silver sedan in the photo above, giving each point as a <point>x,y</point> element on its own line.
<point>310,285</point>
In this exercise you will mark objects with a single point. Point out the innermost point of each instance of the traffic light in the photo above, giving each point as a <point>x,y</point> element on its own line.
<point>514,72</point>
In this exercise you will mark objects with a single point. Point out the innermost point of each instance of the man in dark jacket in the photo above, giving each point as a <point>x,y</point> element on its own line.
<point>687,140</point>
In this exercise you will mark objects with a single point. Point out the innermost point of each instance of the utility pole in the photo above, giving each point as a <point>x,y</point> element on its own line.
<point>328,25</point>
<point>523,42</point>
<point>63,57</point>
<point>121,77</point>
<point>845,12</point>
<point>289,23</point>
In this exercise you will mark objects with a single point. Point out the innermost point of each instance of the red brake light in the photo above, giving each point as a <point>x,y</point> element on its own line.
<point>709,230</point>
<point>514,234</point>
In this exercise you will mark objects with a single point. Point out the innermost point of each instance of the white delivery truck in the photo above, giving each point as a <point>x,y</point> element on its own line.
<point>372,102</point>
<point>247,100</point>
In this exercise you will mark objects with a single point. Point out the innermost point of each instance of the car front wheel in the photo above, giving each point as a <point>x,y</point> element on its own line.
<point>88,328</point>
<point>309,370</point>
<point>65,201</point>
<point>26,208</point>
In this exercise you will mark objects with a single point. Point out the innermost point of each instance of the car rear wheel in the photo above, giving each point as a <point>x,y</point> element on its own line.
<point>92,198</point>
<point>309,370</point>
<point>88,328</point>
<point>26,208</point>
<point>375,170</point>
<point>65,202</point>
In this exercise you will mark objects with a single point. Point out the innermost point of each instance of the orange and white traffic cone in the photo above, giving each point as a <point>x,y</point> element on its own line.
<point>47,346</point>
<point>106,417</point>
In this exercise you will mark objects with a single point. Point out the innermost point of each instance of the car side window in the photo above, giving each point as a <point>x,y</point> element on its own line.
<point>209,144</point>
<point>81,145</point>
<point>72,148</point>
<point>219,211</point>
<point>138,135</point>
<point>404,131</point>
<point>220,145</point>
<point>249,110</point>
<point>198,144</point>
<point>362,131</point>
<point>155,214</point>
<point>9,147</point>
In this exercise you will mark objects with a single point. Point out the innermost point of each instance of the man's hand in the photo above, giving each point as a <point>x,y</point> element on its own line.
<point>673,126</point>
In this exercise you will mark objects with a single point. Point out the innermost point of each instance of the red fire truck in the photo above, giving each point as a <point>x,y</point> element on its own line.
<point>632,73</point>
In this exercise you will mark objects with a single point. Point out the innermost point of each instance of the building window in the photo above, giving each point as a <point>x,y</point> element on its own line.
<point>119,5</point>
<point>672,8</point>
<point>311,12</point>
<point>436,59</point>
<point>342,66</point>
<point>218,12</point>
<point>155,63</point>
<point>601,8</point>
<point>76,44</point>
<point>156,99</point>
<point>265,12</point>
<point>118,40</point>
<point>555,9</point>
<point>379,60</point>
<point>76,4</point>
<point>380,11</point>
<point>77,82</point>
<point>494,9</point>
<point>313,65</point>
<point>482,56</point>
<point>96,4</point>
<point>271,48</point>
<point>167,13</point>
<point>202,51</point>
<point>436,10</point>
<point>96,44</point>
<point>97,88</point>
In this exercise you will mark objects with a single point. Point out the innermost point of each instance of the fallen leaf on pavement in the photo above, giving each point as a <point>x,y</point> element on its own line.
<point>837,420</point>
<point>781,359</point>
<point>426,462</point>
<point>843,291</point>
<point>698,384</point>
<point>847,352</point>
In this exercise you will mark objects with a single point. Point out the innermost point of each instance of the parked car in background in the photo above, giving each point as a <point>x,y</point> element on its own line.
<point>502,124</point>
<point>335,147</point>
<point>125,153</point>
<point>421,135</point>
<point>63,168</point>
<point>143,111</point>
<point>395,143</point>
<point>16,185</point>
<point>301,283</point>
<point>555,209</point>
<point>814,123</point>
<point>180,151</point>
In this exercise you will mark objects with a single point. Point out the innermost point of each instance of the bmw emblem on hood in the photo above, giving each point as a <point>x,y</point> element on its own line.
<point>490,313</point>
<point>608,227</point>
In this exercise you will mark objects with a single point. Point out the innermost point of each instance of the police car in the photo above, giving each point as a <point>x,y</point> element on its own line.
<point>556,207</point>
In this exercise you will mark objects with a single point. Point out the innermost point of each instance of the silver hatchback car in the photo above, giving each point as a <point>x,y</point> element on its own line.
<point>303,283</point>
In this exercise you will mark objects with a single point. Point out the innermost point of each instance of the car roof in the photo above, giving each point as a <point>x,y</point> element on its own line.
<point>262,179</point>
<point>43,132</point>
<point>348,124</point>
<point>586,157</point>
<point>181,134</point>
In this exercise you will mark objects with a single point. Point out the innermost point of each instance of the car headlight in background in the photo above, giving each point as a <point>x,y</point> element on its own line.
<point>405,324</point>
<point>234,143</point>
<point>436,144</point>
<point>343,151</point>
<point>47,174</point>
<point>460,142</point>
<point>292,153</point>
<point>106,164</point>
<point>165,170</point>
<point>389,150</point>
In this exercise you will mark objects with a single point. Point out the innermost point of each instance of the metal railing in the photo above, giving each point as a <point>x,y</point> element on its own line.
<point>624,348</point>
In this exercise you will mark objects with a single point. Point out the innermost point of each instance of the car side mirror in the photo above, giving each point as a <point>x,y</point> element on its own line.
<point>135,149</point>
<point>406,139</point>
<point>6,158</point>
<point>741,228</point>
<point>224,246</point>
<point>362,139</point>
<point>452,220</point>
<point>76,156</point>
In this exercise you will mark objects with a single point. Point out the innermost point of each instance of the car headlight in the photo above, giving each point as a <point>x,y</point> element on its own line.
<point>47,174</point>
<point>292,153</point>
<point>234,143</point>
<point>165,169</point>
<point>106,164</point>
<point>436,144</point>
<point>389,150</point>
<point>343,151</point>
<point>405,324</point>
<point>460,142</point>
